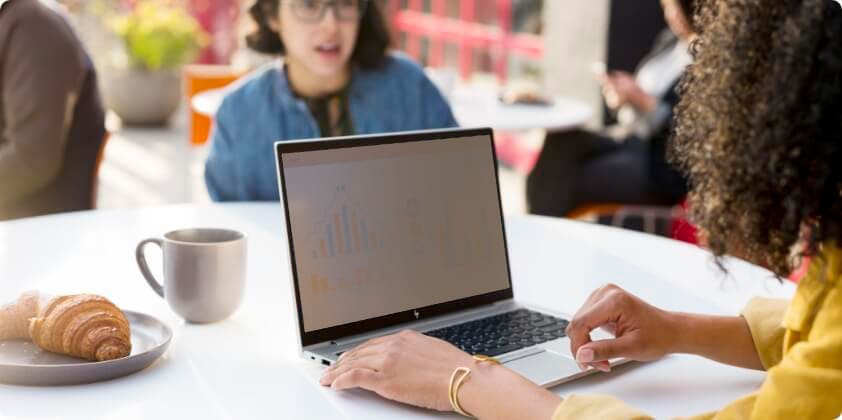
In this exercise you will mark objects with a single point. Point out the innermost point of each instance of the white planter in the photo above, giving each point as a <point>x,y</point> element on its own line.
<point>143,97</point>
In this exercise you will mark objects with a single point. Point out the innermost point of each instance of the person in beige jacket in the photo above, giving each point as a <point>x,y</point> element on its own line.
<point>758,132</point>
<point>52,124</point>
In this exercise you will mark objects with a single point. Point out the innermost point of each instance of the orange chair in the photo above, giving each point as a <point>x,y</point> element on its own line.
<point>199,78</point>
<point>593,210</point>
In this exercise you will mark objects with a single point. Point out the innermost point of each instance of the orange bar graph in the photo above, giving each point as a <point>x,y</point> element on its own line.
<point>339,240</point>
<point>356,230</point>
<point>314,283</point>
<point>318,284</point>
<point>323,248</point>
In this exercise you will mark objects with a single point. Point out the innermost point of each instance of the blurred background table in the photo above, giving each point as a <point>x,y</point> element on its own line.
<point>472,108</point>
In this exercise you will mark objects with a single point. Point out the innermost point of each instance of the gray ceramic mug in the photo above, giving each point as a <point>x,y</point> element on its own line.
<point>204,272</point>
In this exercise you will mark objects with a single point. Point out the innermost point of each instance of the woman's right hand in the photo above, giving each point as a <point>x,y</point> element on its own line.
<point>642,332</point>
<point>620,88</point>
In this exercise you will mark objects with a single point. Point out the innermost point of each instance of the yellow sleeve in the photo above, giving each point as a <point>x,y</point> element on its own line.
<point>807,382</point>
<point>596,407</point>
<point>765,320</point>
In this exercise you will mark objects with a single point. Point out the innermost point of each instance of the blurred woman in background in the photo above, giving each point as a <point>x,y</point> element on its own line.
<point>626,163</point>
<point>336,78</point>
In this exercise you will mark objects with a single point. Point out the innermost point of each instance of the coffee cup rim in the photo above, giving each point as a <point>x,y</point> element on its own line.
<point>238,236</point>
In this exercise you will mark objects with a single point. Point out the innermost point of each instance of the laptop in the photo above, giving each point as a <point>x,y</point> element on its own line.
<point>405,231</point>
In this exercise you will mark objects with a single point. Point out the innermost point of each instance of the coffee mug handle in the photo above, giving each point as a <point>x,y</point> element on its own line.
<point>144,267</point>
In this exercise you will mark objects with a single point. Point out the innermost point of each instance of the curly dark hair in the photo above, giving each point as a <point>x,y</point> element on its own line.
<point>759,128</point>
<point>373,38</point>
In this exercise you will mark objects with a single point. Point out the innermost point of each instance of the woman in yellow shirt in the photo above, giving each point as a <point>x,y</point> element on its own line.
<point>759,133</point>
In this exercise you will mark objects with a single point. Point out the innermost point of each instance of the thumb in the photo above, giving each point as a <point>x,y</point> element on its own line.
<point>606,349</point>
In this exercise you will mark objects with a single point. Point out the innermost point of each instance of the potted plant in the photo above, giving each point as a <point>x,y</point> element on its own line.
<point>143,84</point>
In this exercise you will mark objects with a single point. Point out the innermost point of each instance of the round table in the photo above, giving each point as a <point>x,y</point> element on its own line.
<point>481,108</point>
<point>248,366</point>
<point>207,102</point>
<point>472,108</point>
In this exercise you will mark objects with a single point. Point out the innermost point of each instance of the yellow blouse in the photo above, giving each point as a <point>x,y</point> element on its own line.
<point>799,344</point>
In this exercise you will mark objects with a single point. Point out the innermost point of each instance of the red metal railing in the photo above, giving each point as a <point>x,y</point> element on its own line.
<point>436,26</point>
<point>465,32</point>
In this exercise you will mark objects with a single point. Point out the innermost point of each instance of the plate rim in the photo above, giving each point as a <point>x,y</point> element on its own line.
<point>163,344</point>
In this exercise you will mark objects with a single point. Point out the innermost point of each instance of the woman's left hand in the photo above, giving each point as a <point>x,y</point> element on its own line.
<point>408,367</point>
<point>415,369</point>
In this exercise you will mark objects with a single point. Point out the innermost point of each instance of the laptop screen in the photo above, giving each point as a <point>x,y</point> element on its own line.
<point>380,228</point>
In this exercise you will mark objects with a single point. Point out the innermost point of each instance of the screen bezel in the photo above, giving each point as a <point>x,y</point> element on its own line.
<point>390,320</point>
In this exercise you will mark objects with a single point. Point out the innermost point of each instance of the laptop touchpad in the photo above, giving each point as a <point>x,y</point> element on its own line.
<point>544,367</point>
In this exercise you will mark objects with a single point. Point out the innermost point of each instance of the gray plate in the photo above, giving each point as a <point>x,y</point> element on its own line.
<point>23,363</point>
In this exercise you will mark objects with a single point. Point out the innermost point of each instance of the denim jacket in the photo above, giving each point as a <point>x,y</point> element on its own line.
<point>262,109</point>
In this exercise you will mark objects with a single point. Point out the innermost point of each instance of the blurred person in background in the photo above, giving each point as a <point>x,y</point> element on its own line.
<point>624,164</point>
<point>759,134</point>
<point>52,124</point>
<point>336,78</point>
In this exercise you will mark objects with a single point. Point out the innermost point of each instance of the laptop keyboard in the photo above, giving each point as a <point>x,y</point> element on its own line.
<point>503,333</point>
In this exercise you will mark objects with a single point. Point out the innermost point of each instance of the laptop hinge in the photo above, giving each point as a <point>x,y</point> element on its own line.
<point>416,325</point>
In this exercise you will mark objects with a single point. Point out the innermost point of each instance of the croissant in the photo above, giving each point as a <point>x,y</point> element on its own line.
<point>84,326</point>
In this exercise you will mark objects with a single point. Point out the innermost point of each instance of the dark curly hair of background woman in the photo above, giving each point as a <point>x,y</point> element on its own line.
<point>759,128</point>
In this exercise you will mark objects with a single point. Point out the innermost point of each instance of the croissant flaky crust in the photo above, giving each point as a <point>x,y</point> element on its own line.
<point>85,326</point>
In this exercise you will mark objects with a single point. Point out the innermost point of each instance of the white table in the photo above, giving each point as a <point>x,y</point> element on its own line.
<point>472,108</point>
<point>248,367</point>
<point>207,102</point>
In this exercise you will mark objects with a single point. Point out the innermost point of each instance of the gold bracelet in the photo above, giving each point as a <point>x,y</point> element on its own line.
<point>484,358</point>
<point>458,377</point>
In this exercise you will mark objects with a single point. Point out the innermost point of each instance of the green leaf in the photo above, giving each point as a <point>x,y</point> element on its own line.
<point>158,36</point>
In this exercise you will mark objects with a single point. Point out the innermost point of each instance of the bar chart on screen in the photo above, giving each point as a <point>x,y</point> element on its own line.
<point>344,230</point>
<point>413,230</point>
<point>349,243</point>
<point>324,284</point>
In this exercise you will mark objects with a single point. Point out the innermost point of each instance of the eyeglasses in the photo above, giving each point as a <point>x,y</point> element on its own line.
<point>313,11</point>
